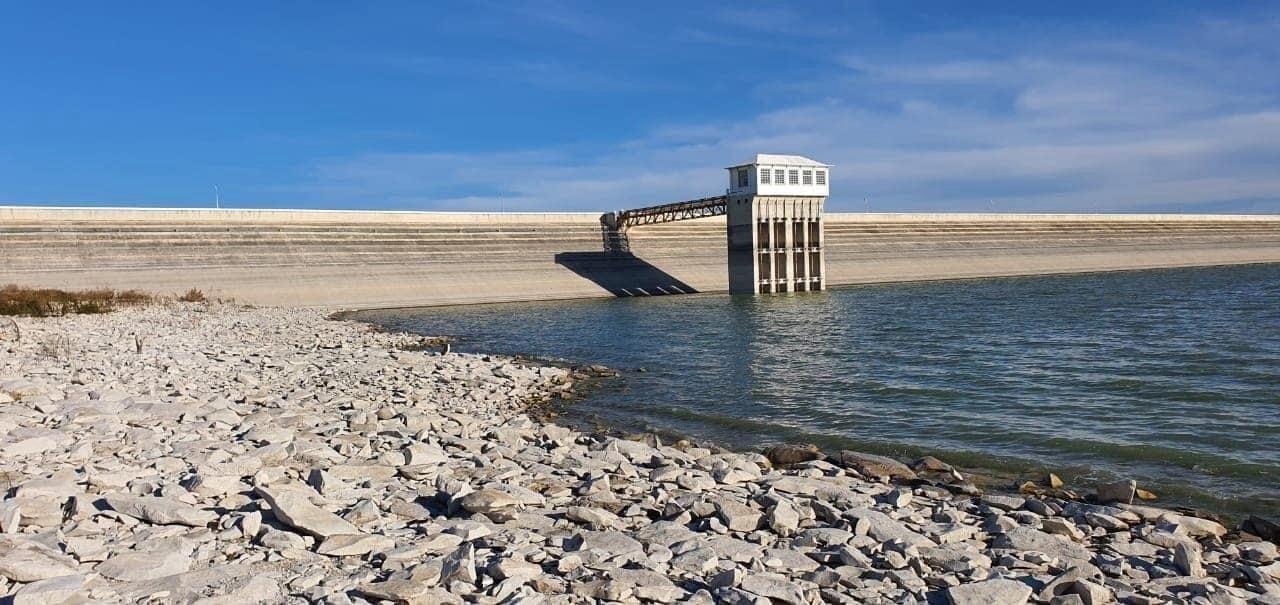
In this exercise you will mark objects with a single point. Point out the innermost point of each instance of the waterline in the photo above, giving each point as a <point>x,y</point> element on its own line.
<point>1167,376</point>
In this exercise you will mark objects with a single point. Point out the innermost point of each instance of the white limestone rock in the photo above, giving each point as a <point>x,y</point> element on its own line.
<point>294,509</point>
<point>163,511</point>
<point>990,592</point>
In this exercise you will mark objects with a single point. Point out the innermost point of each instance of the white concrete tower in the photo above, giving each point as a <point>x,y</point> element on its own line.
<point>774,218</point>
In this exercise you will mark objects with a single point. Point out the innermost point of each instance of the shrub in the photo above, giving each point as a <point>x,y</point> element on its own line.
<point>192,295</point>
<point>46,302</point>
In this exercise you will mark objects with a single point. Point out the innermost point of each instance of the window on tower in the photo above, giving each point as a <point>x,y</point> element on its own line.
<point>793,177</point>
<point>744,178</point>
<point>821,177</point>
<point>808,177</point>
<point>764,176</point>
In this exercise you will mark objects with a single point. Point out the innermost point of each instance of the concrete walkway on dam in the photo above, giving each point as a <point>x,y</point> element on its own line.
<point>365,259</point>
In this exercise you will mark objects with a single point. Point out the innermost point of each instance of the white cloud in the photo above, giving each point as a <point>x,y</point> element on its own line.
<point>1099,125</point>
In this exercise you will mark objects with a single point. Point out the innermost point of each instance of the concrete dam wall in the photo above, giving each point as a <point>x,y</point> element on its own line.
<point>356,259</point>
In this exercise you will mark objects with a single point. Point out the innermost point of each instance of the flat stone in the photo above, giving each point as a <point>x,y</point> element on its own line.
<point>1196,527</point>
<point>294,509</point>
<point>774,587</point>
<point>281,540</point>
<point>990,592</point>
<point>351,545</point>
<point>162,511</point>
<point>884,528</point>
<point>506,569</point>
<point>738,516</point>
<point>871,465</point>
<point>1028,539</point>
<point>28,447</point>
<point>1062,527</point>
<point>53,590</point>
<point>141,566</point>
<point>22,564</point>
<point>596,518</point>
<point>1005,503</point>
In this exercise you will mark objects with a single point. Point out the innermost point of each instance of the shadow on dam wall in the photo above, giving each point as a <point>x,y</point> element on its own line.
<point>623,273</point>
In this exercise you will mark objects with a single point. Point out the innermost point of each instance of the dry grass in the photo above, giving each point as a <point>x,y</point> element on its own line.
<point>50,302</point>
<point>193,295</point>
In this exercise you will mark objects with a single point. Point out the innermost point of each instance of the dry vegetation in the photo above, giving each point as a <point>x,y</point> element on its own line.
<point>50,302</point>
<point>193,295</point>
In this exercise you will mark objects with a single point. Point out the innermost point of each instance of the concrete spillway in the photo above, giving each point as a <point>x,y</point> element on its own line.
<point>379,259</point>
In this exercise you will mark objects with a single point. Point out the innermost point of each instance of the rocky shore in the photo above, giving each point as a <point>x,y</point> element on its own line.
<point>219,454</point>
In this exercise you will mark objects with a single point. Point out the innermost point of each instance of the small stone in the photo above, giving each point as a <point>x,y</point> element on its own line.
<point>1186,558</point>
<point>10,516</point>
<point>1119,491</point>
<point>1054,481</point>
<point>897,498</point>
<point>786,455</point>
<point>1092,593</point>
<point>929,464</point>
<point>738,516</point>
<point>499,506</point>
<point>1106,522</point>
<point>595,518</point>
<point>281,540</point>
<point>784,518</point>
<point>460,565</point>
<point>1062,527</point>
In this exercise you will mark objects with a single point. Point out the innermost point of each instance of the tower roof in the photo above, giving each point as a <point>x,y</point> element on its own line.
<point>787,160</point>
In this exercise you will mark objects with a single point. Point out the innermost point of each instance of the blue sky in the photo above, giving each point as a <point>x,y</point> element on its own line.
<point>1080,106</point>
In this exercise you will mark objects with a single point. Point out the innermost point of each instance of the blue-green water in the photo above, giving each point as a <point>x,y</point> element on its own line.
<point>1171,377</point>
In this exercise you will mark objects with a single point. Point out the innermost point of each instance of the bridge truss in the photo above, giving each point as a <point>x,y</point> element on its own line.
<point>678,211</point>
<point>614,225</point>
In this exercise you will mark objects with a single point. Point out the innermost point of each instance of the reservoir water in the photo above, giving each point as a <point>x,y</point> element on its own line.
<point>1171,377</point>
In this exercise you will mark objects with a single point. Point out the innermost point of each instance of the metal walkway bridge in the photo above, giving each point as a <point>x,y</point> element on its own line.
<point>614,225</point>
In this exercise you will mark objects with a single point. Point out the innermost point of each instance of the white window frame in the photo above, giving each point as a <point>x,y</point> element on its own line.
<point>820,177</point>
<point>793,176</point>
<point>806,177</point>
<point>779,176</point>
<point>763,176</point>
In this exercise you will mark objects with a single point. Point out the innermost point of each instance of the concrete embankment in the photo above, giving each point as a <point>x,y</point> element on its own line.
<point>382,259</point>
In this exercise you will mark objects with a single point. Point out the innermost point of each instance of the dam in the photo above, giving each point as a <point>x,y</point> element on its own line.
<point>369,259</point>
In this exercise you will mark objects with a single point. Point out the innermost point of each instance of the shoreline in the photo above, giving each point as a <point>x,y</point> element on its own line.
<point>269,455</point>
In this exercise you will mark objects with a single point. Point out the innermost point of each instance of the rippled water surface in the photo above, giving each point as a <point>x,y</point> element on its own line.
<point>1171,377</point>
